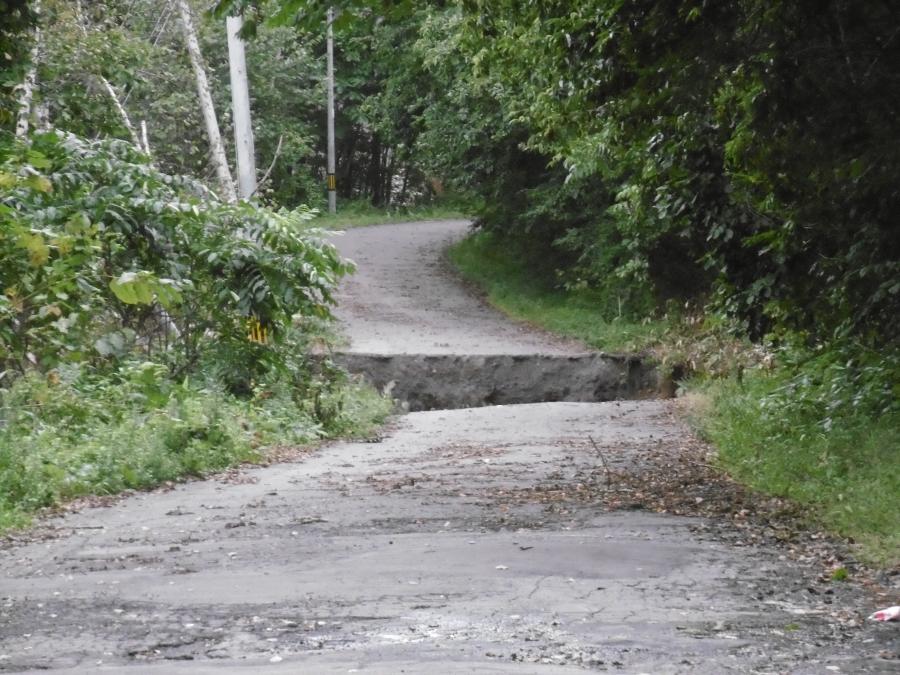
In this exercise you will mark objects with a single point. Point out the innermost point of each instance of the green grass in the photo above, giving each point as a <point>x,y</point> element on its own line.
<point>360,214</point>
<point>62,438</point>
<point>847,474</point>
<point>513,287</point>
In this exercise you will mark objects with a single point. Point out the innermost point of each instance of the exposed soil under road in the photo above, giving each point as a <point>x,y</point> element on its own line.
<point>559,537</point>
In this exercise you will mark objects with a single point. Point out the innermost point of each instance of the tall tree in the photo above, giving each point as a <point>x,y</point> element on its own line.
<point>26,94</point>
<point>217,149</point>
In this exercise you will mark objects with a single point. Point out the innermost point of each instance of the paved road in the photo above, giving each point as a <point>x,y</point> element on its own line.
<point>404,300</point>
<point>465,541</point>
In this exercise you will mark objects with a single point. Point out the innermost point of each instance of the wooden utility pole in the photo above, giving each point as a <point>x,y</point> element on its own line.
<point>240,105</point>
<point>332,179</point>
<point>217,150</point>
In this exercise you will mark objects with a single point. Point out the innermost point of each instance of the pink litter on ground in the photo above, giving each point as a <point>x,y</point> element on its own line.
<point>888,614</point>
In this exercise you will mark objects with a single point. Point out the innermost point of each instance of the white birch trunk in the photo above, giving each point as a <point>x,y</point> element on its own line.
<point>217,149</point>
<point>28,85</point>
<point>240,105</point>
<point>144,137</point>
<point>126,120</point>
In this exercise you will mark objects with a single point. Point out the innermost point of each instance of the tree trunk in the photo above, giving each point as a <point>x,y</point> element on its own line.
<point>217,149</point>
<point>145,138</point>
<point>402,198</point>
<point>126,120</point>
<point>240,105</point>
<point>373,178</point>
<point>388,175</point>
<point>348,165</point>
<point>29,84</point>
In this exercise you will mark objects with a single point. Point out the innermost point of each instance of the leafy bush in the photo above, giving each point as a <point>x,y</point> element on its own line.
<point>102,256</point>
<point>150,331</point>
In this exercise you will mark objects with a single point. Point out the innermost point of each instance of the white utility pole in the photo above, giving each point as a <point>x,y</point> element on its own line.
<point>332,179</point>
<point>240,105</point>
<point>217,150</point>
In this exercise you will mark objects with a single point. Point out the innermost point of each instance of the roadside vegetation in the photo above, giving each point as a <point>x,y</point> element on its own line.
<point>78,432</point>
<point>361,213</point>
<point>150,331</point>
<point>824,433</point>
<point>515,285</point>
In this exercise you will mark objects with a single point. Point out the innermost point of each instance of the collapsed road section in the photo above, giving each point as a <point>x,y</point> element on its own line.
<point>448,381</point>
<point>417,333</point>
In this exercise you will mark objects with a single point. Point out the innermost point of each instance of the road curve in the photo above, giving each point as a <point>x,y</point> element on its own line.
<point>404,300</point>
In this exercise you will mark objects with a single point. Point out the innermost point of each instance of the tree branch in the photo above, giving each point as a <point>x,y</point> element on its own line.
<point>262,181</point>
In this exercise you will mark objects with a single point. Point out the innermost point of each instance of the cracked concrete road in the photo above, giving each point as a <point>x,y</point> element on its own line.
<point>434,549</point>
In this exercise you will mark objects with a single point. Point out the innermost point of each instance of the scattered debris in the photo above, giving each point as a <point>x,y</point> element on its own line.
<point>887,614</point>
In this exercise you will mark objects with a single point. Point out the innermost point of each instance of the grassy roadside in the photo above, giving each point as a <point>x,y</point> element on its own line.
<point>814,429</point>
<point>512,288</point>
<point>73,434</point>
<point>360,214</point>
<point>847,473</point>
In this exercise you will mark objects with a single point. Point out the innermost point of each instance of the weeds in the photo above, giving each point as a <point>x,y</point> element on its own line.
<point>71,434</point>
<point>512,286</point>
<point>361,213</point>
<point>824,432</point>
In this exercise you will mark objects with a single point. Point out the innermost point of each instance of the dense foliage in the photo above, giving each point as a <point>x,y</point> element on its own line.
<point>102,255</point>
<point>741,149</point>
<point>138,47</point>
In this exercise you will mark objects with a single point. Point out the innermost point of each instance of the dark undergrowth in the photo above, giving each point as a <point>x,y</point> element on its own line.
<point>512,286</point>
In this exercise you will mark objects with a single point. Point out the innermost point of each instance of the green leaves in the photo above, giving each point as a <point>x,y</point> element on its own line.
<point>120,259</point>
<point>709,145</point>
<point>145,288</point>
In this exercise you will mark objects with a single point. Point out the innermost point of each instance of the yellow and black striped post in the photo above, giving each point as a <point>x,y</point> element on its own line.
<point>258,332</point>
